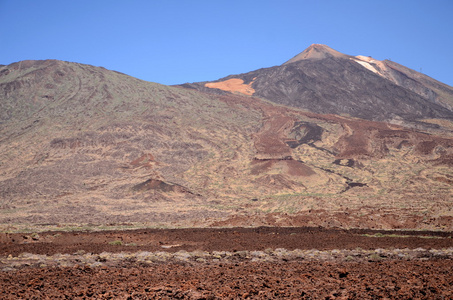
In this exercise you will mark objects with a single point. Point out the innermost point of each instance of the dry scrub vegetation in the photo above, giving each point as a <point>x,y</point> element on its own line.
<point>98,147</point>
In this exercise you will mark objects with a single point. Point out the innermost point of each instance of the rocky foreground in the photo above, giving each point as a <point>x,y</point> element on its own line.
<point>391,279</point>
<point>227,263</point>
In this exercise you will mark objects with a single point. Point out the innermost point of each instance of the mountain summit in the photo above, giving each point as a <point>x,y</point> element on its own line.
<point>316,51</point>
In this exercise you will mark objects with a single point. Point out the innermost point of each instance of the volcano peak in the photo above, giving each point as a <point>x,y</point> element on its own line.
<point>316,51</point>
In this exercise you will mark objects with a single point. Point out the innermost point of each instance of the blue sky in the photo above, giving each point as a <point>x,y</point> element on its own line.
<point>171,42</point>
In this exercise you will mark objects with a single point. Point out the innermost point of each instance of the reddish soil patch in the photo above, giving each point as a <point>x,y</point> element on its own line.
<point>270,141</point>
<point>290,167</point>
<point>216,239</point>
<point>383,280</point>
<point>274,154</point>
<point>145,161</point>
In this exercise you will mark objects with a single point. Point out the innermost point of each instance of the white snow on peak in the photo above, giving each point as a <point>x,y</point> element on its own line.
<point>371,64</point>
<point>367,65</point>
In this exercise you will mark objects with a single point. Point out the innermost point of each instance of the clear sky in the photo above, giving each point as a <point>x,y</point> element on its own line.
<point>172,42</point>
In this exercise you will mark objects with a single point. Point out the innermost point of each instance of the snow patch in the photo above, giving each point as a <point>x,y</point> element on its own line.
<point>367,65</point>
<point>375,66</point>
<point>367,59</point>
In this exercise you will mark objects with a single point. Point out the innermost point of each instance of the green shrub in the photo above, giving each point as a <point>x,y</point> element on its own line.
<point>375,257</point>
<point>116,243</point>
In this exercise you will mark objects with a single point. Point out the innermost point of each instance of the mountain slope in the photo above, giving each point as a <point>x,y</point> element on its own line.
<point>73,133</point>
<point>82,144</point>
<point>323,80</point>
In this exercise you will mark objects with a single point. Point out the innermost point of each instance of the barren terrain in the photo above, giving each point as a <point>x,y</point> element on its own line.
<point>220,263</point>
<point>322,178</point>
<point>81,145</point>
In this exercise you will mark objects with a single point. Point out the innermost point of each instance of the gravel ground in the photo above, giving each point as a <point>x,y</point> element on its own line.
<point>235,263</point>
